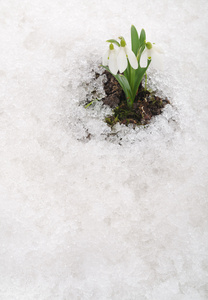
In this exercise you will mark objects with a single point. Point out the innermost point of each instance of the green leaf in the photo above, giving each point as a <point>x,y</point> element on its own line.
<point>113,42</point>
<point>127,73</point>
<point>142,37</point>
<point>139,74</point>
<point>139,53</point>
<point>91,102</point>
<point>122,80</point>
<point>135,43</point>
<point>125,85</point>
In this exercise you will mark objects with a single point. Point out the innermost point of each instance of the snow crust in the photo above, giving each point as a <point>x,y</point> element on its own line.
<point>116,216</point>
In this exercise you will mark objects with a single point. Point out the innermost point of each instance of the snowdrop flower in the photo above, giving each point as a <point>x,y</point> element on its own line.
<point>110,59</point>
<point>123,57</point>
<point>154,53</point>
<point>125,53</point>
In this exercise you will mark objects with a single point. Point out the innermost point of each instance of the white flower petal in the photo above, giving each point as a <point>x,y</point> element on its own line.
<point>132,58</point>
<point>105,58</point>
<point>157,61</point>
<point>157,49</point>
<point>143,59</point>
<point>113,62</point>
<point>122,60</point>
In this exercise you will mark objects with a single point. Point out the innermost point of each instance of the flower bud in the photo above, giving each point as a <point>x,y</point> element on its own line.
<point>111,47</point>
<point>122,43</point>
<point>149,45</point>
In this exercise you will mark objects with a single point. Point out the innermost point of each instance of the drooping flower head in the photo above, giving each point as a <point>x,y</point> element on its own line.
<point>125,53</point>
<point>153,53</point>
<point>110,59</point>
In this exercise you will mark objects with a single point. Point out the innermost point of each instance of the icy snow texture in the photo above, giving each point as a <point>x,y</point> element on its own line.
<point>93,219</point>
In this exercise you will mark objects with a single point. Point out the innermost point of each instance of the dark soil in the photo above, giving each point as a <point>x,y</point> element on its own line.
<point>146,104</point>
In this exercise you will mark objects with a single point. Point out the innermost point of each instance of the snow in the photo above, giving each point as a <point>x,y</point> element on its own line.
<point>117,216</point>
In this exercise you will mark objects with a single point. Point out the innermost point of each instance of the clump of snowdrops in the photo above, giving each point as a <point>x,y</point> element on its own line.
<point>133,63</point>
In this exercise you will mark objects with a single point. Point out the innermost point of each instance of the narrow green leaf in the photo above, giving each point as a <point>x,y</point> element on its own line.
<point>127,73</point>
<point>122,80</point>
<point>113,42</point>
<point>135,43</point>
<point>139,53</point>
<point>127,89</point>
<point>90,103</point>
<point>139,75</point>
<point>142,37</point>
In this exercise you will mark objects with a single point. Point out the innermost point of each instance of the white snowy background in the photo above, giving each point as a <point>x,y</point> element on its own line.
<point>101,218</point>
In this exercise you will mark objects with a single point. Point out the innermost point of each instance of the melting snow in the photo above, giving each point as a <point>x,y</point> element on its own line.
<point>119,216</point>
